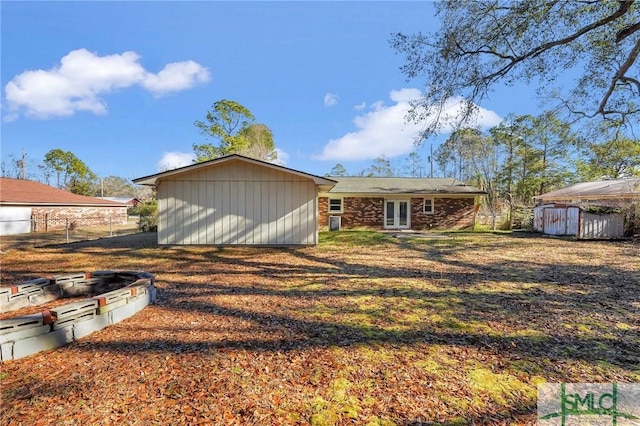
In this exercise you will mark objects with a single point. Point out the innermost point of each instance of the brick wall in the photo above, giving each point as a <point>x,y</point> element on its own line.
<point>52,218</point>
<point>449,213</point>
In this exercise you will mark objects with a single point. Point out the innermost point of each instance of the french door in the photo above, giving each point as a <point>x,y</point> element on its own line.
<point>396,214</point>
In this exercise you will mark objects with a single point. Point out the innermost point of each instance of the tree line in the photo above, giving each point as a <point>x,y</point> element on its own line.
<point>520,158</point>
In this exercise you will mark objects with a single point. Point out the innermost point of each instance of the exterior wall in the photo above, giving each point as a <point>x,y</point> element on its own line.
<point>15,220</point>
<point>449,213</point>
<point>601,227</point>
<point>356,211</point>
<point>52,218</point>
<point>237,203</point>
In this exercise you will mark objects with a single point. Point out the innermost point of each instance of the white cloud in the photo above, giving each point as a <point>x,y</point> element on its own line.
<point>176,76</point>
<point>174,160</point>
<point>82,77</point>
<point>283,158</point>
<point>384,131</point>
<point>360,106</point>
<point>330,99</point>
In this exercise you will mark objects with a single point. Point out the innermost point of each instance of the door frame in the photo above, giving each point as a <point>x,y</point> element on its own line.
<point>396,217</point>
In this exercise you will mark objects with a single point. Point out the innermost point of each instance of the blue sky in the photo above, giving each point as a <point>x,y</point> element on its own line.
<point>120,84</point>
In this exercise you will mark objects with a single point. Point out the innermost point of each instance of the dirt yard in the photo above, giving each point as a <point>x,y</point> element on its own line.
<point>363,329</point>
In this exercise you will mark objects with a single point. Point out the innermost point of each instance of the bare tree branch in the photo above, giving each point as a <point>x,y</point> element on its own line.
<point>626,32</point>
<point>633,55</point>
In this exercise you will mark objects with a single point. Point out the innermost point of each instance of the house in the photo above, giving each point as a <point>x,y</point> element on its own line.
<point>603,209</point>
<point>236,200</point>
<point>399,203</point>
<point>27,206</point>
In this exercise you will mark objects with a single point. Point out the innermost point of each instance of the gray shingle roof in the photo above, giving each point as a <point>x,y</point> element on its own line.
<point>401,185</point>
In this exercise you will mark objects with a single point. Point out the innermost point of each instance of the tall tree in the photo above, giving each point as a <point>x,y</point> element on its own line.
<point>71,173</point>
<point>257,143</point>
<point>618,158</point>
<point>415,165</point>
<point>381,167</point>
<point>232,125</point>
<point>552,144</point>
<point>114,186</point>
<point>483,43</point>
<point>337,171</point>
<point>455,153</point>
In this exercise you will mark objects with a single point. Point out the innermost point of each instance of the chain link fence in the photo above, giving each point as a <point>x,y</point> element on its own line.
<point>37,233</point>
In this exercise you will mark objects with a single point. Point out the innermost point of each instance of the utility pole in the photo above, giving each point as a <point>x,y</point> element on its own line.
<point>431,159</point>
<point>23,164</point>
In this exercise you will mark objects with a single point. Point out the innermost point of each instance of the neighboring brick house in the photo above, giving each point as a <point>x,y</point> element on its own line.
<point>399,203</point>
<point>28,206</point>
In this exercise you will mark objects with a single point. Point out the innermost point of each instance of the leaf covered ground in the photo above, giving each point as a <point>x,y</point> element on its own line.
<point>363,329</point>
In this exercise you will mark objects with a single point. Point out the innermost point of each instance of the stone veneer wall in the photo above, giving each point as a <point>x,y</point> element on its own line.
<point>450,213</point>
<point>53,218</point>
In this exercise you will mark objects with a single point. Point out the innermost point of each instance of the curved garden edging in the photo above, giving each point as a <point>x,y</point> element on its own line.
<point>29,334</point>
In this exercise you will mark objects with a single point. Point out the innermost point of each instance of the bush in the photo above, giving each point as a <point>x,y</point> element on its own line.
<point>148,216</point>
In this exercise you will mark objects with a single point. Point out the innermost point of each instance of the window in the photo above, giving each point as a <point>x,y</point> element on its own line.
<point>335,205</point>
<point>428,206</point>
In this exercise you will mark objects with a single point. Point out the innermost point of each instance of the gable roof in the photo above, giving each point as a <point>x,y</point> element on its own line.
<point>602,189</point>
<point>30,193</point>
<point>152,179</point>
<point>402,185</point>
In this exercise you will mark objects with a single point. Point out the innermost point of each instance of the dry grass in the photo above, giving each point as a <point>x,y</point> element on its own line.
<point>362,329</point>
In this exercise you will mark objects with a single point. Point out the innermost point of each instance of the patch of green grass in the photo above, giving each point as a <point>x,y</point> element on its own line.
<point>352,238</point>
<point>338,406</point>
<point>623,326</point>
<point>500,387</point>
<point>377,421</point>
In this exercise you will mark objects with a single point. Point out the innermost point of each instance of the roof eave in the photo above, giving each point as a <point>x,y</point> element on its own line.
<point>152,180</point>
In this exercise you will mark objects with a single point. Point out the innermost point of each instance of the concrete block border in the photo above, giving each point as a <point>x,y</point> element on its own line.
<point>117,295</point>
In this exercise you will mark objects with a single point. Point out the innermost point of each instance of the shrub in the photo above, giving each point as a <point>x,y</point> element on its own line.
<point>148,216</point>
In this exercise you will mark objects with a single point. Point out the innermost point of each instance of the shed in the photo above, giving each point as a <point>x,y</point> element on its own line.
<point>236,200</point>
<point>581,222</point>
<point>589,210</point>
<point>27,206</point>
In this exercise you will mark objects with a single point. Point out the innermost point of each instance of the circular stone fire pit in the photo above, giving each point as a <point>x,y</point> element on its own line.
<point>111,297</point>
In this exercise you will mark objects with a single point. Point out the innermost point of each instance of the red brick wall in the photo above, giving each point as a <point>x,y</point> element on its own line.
<point>323,211</point>
<point>449,213</point>
<point>52,218</point>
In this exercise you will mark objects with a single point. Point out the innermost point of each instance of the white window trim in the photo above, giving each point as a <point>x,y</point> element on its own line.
<point>341,205</point>
<point>424,204</point>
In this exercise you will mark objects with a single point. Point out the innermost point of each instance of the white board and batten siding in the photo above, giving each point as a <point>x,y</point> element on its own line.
<point>237,203</point>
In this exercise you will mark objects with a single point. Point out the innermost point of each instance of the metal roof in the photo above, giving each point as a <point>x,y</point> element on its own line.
<point>30,193</point>
<point>618,188</point>
<point>402,185</point>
